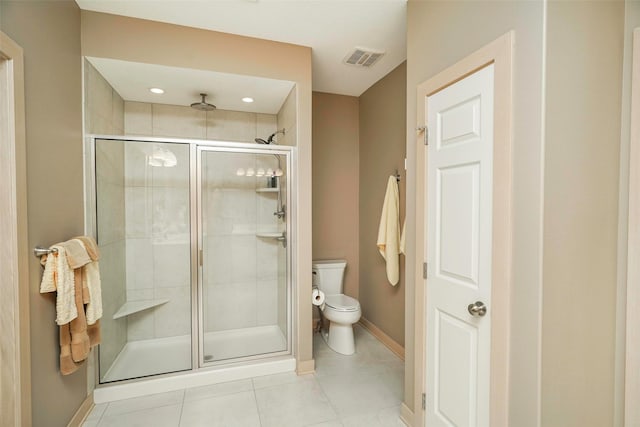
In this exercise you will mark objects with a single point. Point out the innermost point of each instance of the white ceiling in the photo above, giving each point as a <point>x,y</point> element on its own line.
<point>332,28</point>
<point>182,86</point>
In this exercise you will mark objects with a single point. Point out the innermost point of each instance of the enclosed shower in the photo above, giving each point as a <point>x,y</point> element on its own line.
<point>195,239</point>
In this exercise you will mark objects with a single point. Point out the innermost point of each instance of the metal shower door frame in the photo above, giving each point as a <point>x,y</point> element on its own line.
<point>197,152</point>
<point>196,147</point>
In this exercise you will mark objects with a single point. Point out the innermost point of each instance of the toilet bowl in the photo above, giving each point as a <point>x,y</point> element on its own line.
<point>340,310</point>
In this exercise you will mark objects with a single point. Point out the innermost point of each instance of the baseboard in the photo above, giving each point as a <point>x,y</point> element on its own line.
<point>406,415</point>
<point>385,339</point>
<point>82,412</point>
<point>306,367</point>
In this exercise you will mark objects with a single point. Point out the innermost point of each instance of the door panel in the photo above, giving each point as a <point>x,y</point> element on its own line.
<point>457,356</point>
<point>459,230</point>
<point>460,123</point>
<point>457,235</point>
<point>242,238</point>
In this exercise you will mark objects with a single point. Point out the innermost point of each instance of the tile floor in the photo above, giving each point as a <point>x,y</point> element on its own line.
<point>346,391</point>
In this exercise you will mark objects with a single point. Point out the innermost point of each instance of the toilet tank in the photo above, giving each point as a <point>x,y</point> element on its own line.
<point>328,275</point>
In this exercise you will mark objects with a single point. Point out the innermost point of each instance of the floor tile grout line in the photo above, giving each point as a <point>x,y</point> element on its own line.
<point>215,396</point>
<point>324,393</point>
<point>255,398</point>
<point>102,415</point>
<point>184,394</point>
<point>139,410</point>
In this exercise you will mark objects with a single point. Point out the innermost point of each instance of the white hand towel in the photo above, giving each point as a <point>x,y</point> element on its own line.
<point>403,242</point>
<point>389,231</point>
<point>58,276</point>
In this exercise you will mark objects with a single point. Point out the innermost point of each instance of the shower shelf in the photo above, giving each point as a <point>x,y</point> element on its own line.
<point>267,190</point>
<point>131,307</point>
<point>270,235</point>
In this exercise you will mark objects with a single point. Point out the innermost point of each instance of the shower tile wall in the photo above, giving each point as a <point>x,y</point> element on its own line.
<point>286,119</point>
<point>158,244</point>
<point>185,122</point>
<point>157,239</point>
<point>111,238</point>
<point>104,114</point>
<point>104,107</point>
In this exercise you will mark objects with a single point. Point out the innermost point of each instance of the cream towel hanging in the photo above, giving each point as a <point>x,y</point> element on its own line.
<point>58,276</point>
<point>389,231</point>
<point>403,244</point>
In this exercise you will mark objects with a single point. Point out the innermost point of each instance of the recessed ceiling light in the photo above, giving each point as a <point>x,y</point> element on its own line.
<point>247,99</point>
<point>156,90</point>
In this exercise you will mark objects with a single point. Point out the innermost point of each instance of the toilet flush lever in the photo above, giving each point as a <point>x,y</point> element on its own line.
<point>477,309</point>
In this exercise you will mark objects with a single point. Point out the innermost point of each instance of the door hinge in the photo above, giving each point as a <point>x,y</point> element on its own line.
<point>200,257</point>
<point>424,401</point>
<point>425,133</point>
<point>425,270</point>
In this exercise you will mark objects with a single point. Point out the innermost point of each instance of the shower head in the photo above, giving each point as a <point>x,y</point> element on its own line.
<point>270,138</point>
<point>203,105</point>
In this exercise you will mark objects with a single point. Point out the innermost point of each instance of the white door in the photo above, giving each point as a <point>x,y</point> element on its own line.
<point>458,247</point>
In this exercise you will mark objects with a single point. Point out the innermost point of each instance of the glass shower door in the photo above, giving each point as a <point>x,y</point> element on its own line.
<point>143,232</point>
<point>243,256</point>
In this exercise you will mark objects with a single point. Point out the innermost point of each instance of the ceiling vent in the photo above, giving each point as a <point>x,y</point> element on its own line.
<point>362,57</point>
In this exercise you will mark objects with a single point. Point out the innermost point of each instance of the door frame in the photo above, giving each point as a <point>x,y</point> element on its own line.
<point>15,394</point>
<point>632,357</point>
<point>500,53</point>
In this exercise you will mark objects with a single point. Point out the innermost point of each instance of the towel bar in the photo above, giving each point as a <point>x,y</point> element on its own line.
<point>397,175</point>
<point>38,251</point>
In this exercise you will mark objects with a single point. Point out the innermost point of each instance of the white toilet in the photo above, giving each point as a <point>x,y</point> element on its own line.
<point>341,310</point>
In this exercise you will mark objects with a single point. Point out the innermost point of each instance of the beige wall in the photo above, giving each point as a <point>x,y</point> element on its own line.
<point>335,183</point>
<point>130,39</point>
<point>583,101</point>
<point>440,34</point>
<point>49,33</point>
<point>383,118</point>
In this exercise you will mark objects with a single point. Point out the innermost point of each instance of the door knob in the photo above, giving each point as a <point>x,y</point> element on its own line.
<point>477,309</point>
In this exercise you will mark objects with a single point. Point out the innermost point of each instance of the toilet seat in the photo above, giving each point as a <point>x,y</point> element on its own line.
<point>341,302</point>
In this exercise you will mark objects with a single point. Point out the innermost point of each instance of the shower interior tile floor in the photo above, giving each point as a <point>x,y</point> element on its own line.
<point>347,391</point>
